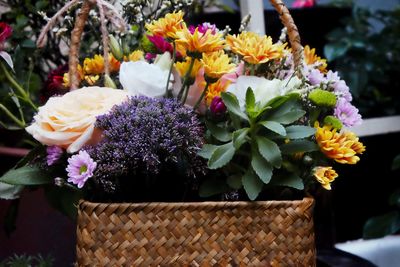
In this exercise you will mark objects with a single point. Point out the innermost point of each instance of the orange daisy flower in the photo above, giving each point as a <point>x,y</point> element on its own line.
<point>325,175</point>
<point>95,65</point>
<point>215,89</point>
<point>341,147</point>
<point>311,58</point>
<point>183,67</point>
<point>254,48</point>
<point>81,76</point>
<point>217,64</point>
<point>168,26</point>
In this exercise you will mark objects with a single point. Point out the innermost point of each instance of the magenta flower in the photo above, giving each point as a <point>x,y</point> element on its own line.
<point>80,168</point>
<point>347,113</point>
<point>303,3</point>
<point>5,32</point>
<point>160,43</point>
<point>217,106</point>
<point>202,28</point>
<point>54,153</point>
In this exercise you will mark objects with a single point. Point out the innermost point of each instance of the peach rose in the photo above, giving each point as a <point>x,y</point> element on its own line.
<point>68,121</point>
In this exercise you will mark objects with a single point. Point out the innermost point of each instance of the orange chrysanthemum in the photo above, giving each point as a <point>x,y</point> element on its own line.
<point>215,89</point>
<point>168,26</point>
<point>135,56</point>
<point>183,67</point>
<point>81,76</point>
<point>255,48</point>
<point>217,64</point>
<point>311,58</point>
<point>95,65</point>
<point>342,147</point>
<point>325,175</point>
<point>198,43</point>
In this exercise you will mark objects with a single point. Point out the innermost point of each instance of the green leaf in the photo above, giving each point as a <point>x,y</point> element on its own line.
<point>234,181</point>
<point>221,156</point>
<point>9,191</point>
<point>270,151</point>
<point>207,150</point>
<point>28,44</point>
<point>383,225</point>
<point>334,50</point>
<point>252,185</point>
<point>218,132</point>
<point>239,137</point>
<point>277,101</point>
<point>290,180</point>
<point>396,163</point>
<point>297,146</point>
<point>26,175</point>
<point>261,167</point>
<point>288,117</point>
<point>212,186</point>
<point>232,104</point>
<point>250,101</point>
<point>274,126</point>
<point>299,131</point>
<point>64,199</point>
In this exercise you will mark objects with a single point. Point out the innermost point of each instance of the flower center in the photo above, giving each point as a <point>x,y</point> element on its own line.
<point>82,169</point>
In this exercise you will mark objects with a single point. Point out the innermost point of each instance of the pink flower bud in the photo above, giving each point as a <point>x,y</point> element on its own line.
<point>217,106</point>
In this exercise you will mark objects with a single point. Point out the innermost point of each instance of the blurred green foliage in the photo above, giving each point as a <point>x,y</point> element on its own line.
<point>27,261</point>
<point>366,52</point>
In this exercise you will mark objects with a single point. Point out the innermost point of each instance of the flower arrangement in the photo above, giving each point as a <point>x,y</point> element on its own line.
<point>200,112</point>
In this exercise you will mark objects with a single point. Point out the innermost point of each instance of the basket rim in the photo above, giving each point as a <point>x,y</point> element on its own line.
<point>202,204</point>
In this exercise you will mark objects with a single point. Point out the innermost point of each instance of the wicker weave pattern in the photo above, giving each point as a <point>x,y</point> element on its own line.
<point>270,233</point>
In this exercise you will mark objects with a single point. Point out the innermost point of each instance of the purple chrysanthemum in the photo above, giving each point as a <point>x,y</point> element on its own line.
<point>347,113</point>
<point>339,86</point>
<point>54,153</point>
<point>315,77</point>
<point>80,168</point>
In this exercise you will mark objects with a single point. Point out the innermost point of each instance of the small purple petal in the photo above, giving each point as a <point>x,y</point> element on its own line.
<point>80,168</point>
<point>347,113</point>
<point>53,154</point>
<point>316,77</point>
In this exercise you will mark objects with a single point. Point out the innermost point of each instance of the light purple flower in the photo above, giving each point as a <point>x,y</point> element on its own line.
<point>316,77</point>
<point>80,168</point>
<point>332,76</point>
<point>53,154</point>
<point>202,28</point>
<point>341,90</point>
<point>347,113</point>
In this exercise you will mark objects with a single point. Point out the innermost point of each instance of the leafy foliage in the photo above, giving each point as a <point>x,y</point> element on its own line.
<point>27,261</point>
<point>259,143</point>
<point>368,58</point>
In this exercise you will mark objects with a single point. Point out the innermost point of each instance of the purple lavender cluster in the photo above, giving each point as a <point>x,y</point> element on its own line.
<point>143,135</point>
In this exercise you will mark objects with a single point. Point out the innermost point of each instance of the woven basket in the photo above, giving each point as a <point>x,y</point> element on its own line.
<point>263,233</point>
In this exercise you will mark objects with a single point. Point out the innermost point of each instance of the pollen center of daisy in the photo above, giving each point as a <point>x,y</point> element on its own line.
<point>83,169</point>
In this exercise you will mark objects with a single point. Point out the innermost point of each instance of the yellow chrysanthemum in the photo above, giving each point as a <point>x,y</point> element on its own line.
<point>255,48</point>
<point>135,56</point>
<point>216,89</point>
<point>168,26</point>
<point>198,43</point>
<point>80,76</point>
<point>95,65</point>
<point>91,79</point>
<point>342,147</point>
<point>183,67</point>
<point>217,64</point>
<point>325,175</point>
<point>311,58</point>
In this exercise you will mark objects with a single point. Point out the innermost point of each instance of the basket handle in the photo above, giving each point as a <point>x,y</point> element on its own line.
<point>293,34</point>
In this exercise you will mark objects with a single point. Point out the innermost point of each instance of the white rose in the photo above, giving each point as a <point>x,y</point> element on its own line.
<point>264,90</point>
<point>68,121</point>
<point>142,78</point>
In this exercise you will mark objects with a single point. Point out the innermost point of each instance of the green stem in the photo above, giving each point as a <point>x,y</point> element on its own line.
<point>201,97</point>
<point>185,94</point>
<point>171,67</point>
<point>11,116</point>
<point>15,84</point>
<point>252,69</point>
<point>187,76</point>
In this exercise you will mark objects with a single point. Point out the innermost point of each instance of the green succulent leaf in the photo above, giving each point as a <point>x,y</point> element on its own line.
<point>274,126</point>
<point>234,181</point>
<point>232,104</point>
<point>26,175</point>
<point>252,184</point>
<point>290,180</point>
<point>212,186</point>
<point>297,146</point>
<point>240,137</point>
<point>261,167</point>
<point>270,151</point>
<point>218,132</point>
<point>288,117</point>
<point>299,131</point>
<point>250,101</point>
<point>207,150</point>
<point>221,156</point>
